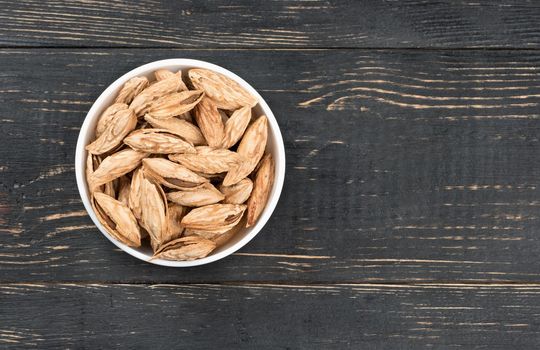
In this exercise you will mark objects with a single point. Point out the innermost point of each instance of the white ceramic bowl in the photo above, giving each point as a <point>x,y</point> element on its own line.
<point>275,146</point>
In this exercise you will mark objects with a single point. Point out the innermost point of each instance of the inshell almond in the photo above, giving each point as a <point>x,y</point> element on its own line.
<point>162,74</point>
<point>175,213</point>
<point>185,248</point>
<point>114,166</point>
<point>226,236</point>
<point>144,100</point>
<point>208,160</point>
<point>180,127</point>
<point>225,92</point>
<point>108,115</point>
<point>154,212</point>
<point>158,141</point>
<point>204,195</point>
<point>124,188</point>
<point>123,123</point>
<point>174,104</point>
<point>91,164</point>
<point>135,191</point>
<point>236,126</point>
<point>117,219</point>
<point>251,148</point>
<point>264,180</point>
<point>217,232</point>
<point>108,188</point>
<point>213,216</point>
<point>131,88</point>
<point>210,123</point>
<point>237,193</point>
<point>172,175</point>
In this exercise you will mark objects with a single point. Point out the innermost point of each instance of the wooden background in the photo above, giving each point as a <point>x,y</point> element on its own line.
<point>410,214</point>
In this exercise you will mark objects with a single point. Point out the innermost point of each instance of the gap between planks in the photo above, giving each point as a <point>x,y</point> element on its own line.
<point>291,284</point>
<point>245,48</point>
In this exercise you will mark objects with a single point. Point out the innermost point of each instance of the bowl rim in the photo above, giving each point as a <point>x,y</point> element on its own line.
<point>80,158</point>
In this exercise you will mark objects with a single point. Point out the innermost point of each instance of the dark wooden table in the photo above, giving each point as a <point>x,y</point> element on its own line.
<point>410,216</point>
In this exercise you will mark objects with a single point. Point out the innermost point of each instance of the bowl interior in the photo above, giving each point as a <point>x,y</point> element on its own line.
<point>274,146</point>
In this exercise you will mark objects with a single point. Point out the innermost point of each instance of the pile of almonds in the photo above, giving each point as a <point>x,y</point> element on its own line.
<point>180,164</point>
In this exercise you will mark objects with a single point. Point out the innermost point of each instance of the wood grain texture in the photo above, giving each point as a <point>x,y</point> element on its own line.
<point>265,24</point>
<point>258,316</point>
<point>401,166</point>
<point>410,213</point>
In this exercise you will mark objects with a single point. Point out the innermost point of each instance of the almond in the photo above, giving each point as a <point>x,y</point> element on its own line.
<point>225,92</point>
<point>158,141</point>
<point>209,121</point>
<point>251,148</point>
<point>174,104</point>
<point>208,160</point>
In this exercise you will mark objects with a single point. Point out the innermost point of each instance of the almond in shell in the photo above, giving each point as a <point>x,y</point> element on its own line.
<point>174,104</point>
<point>225,92</point>
<point>162,74</point>
<point>142,102</point>
<point>180,127</point>
<point>209,234</point>
<point>124,187</point>
<point>114,166</point>
<point>236,126</point>
<point>212,217</point>
<point>237,193</point>
<point>208,160</point>
<point>210,123</point>
<point>223,238</point>
<point>158,141</point>
<point>123,123</point>
<point>204,195</point>
<point>264,180</point>
<point>108,115</point>
<point>214,234</point>
<point>117,219</point>
<point>131,88</point>
<point>185,248</point>
<point>251,148</point>
<point>154,212</point>
<point>135,191</point>
<point>175,213</point>
<point>172,175</point>
<point>93,162</point>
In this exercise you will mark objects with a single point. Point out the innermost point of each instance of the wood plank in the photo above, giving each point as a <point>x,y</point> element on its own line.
<point>402,166</point>
<point>263,24</point>
<point>269,316</point>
